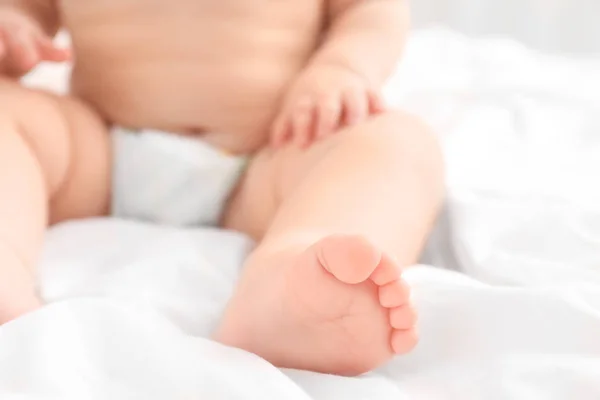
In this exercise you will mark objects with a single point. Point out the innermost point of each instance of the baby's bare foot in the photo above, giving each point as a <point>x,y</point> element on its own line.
<point>338,307</point>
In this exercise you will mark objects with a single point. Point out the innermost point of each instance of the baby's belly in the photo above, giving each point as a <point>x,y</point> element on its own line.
<point>214,76</point>
<point>232,104</point>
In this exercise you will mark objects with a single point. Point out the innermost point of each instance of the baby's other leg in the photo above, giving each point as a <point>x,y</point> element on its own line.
<point>54,159</point>
<point>323,290</point>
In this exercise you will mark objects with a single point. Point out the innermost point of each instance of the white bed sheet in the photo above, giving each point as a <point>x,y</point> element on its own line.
<point>132,303</point>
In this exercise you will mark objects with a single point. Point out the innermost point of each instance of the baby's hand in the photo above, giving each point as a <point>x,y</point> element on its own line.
<point>323,100</point>
<point>23,44</point>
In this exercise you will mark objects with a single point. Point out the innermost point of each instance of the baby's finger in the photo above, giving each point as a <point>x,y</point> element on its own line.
<point>49,51</point>
<point>281,130</point>
<point>355,106</point>
<point>23,50</point>
<point>328,117</point>
<point>3,51</point>
<point>302,122</point>
<point>5,67</point>
<point>376,102</point>
<point>3,48</point>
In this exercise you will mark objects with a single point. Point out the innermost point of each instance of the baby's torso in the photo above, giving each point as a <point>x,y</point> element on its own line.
<point>191,65</point>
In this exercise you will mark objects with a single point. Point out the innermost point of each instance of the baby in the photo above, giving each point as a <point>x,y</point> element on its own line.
<point>339,192</point>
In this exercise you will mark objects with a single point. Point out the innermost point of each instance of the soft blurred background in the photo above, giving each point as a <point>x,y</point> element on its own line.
<point>509,304</point>
<point>567,26</point>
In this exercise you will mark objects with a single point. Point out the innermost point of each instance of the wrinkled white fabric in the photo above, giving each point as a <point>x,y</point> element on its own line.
<point>132,304</point>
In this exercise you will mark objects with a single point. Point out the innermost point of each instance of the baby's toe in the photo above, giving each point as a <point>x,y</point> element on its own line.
<point>394,294</point>
<point>404,341</point>
<point>403,317</point>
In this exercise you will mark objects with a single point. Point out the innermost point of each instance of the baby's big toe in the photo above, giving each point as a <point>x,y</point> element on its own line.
<point>350,258</point>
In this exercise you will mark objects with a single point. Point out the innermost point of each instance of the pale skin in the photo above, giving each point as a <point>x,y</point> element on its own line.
<point>340,195</point>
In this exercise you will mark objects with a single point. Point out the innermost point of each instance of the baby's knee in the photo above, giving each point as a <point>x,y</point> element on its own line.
<point>402,139</point>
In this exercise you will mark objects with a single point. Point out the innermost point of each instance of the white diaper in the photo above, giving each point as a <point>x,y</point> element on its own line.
<point>166,178</point>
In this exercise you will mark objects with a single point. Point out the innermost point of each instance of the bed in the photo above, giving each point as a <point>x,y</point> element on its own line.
<point>508,290</point>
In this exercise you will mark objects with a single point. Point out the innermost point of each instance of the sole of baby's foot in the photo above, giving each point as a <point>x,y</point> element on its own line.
<point>338,307</point>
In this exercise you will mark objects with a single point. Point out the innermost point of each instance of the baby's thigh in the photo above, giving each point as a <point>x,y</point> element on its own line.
<point>71,145</point>
<point>270,176</point>
<point>86,189</point>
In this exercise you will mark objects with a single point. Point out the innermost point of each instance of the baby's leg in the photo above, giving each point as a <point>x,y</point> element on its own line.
<point>53,166</point>
<point>323,289</point>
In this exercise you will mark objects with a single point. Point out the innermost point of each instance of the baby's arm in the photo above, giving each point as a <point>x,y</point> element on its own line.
<point>340,86</point>
<point>26,31</point>
<point>366,37</point>
<point>43,12</point>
